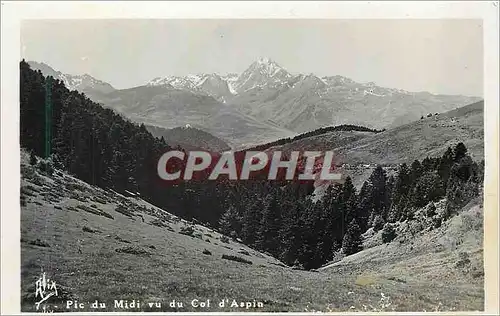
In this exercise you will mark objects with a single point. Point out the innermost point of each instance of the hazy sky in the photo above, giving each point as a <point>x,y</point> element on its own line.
<point>440,56</point>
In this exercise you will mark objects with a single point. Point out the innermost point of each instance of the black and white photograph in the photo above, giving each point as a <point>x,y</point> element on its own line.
<point>252,165</point>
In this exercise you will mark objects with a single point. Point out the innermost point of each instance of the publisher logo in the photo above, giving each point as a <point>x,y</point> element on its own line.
<point>45,289</point>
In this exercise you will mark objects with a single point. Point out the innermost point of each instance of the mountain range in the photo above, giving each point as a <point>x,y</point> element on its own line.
<point>84,83</point>
<point>263,103</point>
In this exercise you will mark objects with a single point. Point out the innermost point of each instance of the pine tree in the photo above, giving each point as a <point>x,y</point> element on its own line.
<point>427,164</point>
<point>270,225</point>
<point>329,224</point>
<point>391,183</point>
<point>416,171</point>
<point>333,214</point>
<point>388,233</point>
<point>399,192</point>
<point>459,152</point>
<point>291,234</point>
<point>348,201</point>
<point>33,159</point>
<point>464,184</point>
<point>251,222</point>
<point>378,223</point>
<point>364,206</point>
<point>379,195</point>
<point>445,164</point>
<point>406,208</point>
<point>352,241</point>
<point>311,252</point>
<point>230,222</point>
<point>427,188</point>
<point>32,109</point>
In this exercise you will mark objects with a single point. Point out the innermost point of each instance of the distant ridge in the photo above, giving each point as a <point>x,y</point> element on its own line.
<point>426,137</point>
<point>81,83</point>
<point>317,132</point>
<point>189,138</point>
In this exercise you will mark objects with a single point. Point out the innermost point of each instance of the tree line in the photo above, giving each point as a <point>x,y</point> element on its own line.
<point>316,132</point>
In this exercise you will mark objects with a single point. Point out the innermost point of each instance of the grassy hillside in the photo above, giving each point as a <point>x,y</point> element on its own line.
<point>323,142</point>
<point>426,258</point>
<point>426,137</point>
<point>97,244</point>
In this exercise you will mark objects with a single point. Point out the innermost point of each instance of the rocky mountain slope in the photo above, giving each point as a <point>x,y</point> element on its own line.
<point>302,102</point>
<point>83,83</point>
<point>214,85</point>
<point>168,107</point>
<point>263,72</point>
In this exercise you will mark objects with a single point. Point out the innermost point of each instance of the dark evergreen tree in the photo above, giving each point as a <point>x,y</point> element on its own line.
<point>416,171</point>
<point>309,254</point>
<point>399,193</point>
<point>291,234</point>
<point>388,233</point>
<point>364,205</point>
<point>445,164</point>
<point>427,188</point>
<point>348,201</point>
<point>334,214</point>
<point>379,194</point>
<point>230,222</point>
<point>251,222</point>
<point>352,241</point>
<point>464,184</point>
<point>33,159</point>
<point>378,223</point>
<point>459,152</point>
<point>270,225</point>
<point>427,164</point>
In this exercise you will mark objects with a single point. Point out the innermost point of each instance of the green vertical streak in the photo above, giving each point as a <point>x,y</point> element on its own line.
<point>48,116</point>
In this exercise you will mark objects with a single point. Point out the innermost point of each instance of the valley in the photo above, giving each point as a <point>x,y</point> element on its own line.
<point>402,232</point>
<point>100,245</point>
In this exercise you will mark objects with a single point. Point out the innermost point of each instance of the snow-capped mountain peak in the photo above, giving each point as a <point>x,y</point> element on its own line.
<point>265,60</point>
<point>269,67</point>
<point>73,82</point>
<point>189,82</point>
<point>261,73</point>
<point>209,84</point>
